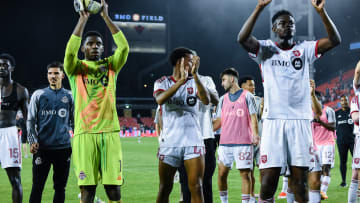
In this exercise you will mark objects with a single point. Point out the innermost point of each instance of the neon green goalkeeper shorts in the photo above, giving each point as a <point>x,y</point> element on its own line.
<point>97,158</point>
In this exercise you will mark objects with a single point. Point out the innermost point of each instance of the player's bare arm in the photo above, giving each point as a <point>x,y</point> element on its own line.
<point>105,15</point>
<point>316,106</point>
<point>203,94</point>
<point>216,124</point>
<point>214,98</point>
<point>255,129</point>
<point>248,41</point>
<point>162,97</point>
<point>328,126</point>
<point>357,75</point>
<point>334,38</point>
<point>79,28</point>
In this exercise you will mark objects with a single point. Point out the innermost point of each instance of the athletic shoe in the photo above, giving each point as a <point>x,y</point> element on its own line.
<point>282,195</point>
<point>343,184</point>
<point>323,195</point>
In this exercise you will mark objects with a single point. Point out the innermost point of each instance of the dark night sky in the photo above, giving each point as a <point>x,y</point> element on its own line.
<point>36,33</point>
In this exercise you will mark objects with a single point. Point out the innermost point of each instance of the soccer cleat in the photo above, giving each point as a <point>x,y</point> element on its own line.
<point>282,195</point>
<point>323,195</point>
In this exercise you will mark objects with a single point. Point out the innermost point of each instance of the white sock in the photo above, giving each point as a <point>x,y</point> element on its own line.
<point>290,197</point>
<point>325,183</point>
<point>352,191</point>
<point>271,200</point>
<point>224,196</point>
<point>285,184</point>
<point>245,198</point>
<point>252,199</point>
<point>314,196</point>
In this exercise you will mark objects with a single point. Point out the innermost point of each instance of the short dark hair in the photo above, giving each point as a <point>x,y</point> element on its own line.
<point>178,53</point>
<point>9,58</point>
<point>230,71</point>
<point>280,13</point>
<point>245,78</point>
<point>55,64</point>
<point>344,95</point>
<point>318,94</point>
<point>92,33</point>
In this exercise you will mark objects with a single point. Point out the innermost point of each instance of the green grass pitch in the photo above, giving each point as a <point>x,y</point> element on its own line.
<point>141,179</point>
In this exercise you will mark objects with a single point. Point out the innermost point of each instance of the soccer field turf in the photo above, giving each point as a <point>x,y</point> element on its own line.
<point>141,179</point>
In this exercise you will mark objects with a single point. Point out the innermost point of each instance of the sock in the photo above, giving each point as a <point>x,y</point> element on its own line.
<point>314,196</point>
<point>290,197</point>
<point>224,196</point>
<point>285,184</point>
<point>325,183</point>
<point>270,200</point>
<point>245,198</point>
<point>352,191</point>
<point>252,199</point>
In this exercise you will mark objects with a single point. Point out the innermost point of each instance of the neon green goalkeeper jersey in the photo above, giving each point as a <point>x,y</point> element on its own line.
<point>93,85</point>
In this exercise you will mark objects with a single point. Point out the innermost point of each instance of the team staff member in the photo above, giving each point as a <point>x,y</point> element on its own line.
<point>96,143</point>
<point>48,124</point>
<point>345,135</point>
<point>13,97</point>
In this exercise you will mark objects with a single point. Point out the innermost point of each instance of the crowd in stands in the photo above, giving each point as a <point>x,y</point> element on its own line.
<point>336,87</point>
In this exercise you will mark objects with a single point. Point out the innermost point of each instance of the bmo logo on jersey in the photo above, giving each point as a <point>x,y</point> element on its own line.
<point>191,100</point>
<point>297,60</point>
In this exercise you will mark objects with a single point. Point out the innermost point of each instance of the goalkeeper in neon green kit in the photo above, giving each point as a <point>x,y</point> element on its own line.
<point>96,144</point>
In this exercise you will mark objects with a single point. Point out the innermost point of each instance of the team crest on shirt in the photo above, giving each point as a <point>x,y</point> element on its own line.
<point>190,90</point>
<point>191,100</point>
<point>263,159</point>
<point>82,175</point>
<point>356,160</point>
<point>64,100</point>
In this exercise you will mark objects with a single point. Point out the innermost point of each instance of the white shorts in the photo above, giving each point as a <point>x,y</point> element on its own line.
<point>285,142</point>
<point>326,154</point>
<point>10,150</point>
<point>316,162</point>
<point>173,156</point>
<point>356,154</point>
<point>242,155</point>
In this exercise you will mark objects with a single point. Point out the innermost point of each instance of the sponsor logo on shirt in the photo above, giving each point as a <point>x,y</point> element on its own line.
<point>104,81</point>
<point>191,100</point>
<point>38,161</point>
<point>62,112</point>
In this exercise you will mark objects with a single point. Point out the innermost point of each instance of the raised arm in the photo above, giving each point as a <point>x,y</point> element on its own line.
<point>249,42</point>
<point>162,97</point>
<point>357,76</point>
<point>105,15</point>
<point>203,93</point>
<point>315,104</point>
<point>73,46</point>
<point>333,39</point>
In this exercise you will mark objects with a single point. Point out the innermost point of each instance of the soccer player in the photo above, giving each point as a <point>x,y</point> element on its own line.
<point>206,126</point>
<point>238,121</point>
<point>96,142</point>
<point>344,134</point>
<point>354,112</point>
<point>13,97</point>
<point>181,138</point>
<point>248,83</point>
<point>314,176</point>
<point>48,124</point>
<point>356,154</point>
<point>324,138</point>
<point>287,109</point>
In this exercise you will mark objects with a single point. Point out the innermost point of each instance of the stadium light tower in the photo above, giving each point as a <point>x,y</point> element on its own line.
<point>300,9</point>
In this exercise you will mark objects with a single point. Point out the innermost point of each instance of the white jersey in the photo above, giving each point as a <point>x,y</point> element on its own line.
<point>285,76</point>
<point>180,118</point>
<point>204,110</point>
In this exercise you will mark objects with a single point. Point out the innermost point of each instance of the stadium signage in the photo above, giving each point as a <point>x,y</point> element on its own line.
<point>138,17</point>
